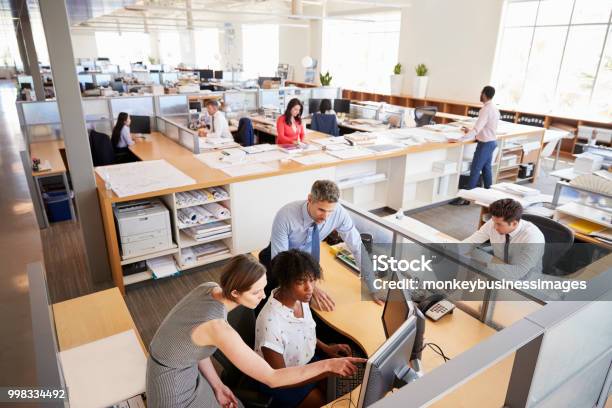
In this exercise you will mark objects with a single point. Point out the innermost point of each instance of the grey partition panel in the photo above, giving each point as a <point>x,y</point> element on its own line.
<point>40,113</point>
<point>186,139</point>
<point>48,368</point>
<point>172,131</point>
<point>141,106</point>
<point>173,104</point>
<point>581,340</point>
<point>96,109</point>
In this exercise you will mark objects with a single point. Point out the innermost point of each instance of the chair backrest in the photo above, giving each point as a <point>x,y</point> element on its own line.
<point>245,135</point>
<point>559,239</point>
<point>242,320</point>
<point>325,123</point>
<point>102,152</point>
<point>424,115</point>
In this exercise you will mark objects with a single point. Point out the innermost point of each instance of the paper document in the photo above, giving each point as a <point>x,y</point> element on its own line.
<point>143,177</point>
<point>314,159</point>
<point>104,372</point>
<point>162,266</point>
<point>352,153</point>
<point>246,169</point>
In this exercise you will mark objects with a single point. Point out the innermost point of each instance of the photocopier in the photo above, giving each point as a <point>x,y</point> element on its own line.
<point>144,227</point>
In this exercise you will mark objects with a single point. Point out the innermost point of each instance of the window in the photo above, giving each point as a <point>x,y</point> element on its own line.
<point>259,50</point>
<point>9,51</point>
<point>361,55</point>
<point>556,55</point>
<point>123,48</point>
<point>169,51</point>
<point>207,48</point>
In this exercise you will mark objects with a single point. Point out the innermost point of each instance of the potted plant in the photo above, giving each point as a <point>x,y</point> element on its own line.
<point>419,88</point>
<point>397,79</point>
<point>325,79</point>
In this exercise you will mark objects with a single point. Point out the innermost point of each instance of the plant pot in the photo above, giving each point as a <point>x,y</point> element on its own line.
<point>397,82</point>
<point>419,87</point>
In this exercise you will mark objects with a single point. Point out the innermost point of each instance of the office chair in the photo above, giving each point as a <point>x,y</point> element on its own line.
<point>424,115</point>
<point>245,388</point>
<point>557,234</point>
<point>102,152</point>
<point>245,135</point>
<point>325,123</point>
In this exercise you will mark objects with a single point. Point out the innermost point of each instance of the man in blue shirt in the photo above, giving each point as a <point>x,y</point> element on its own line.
<point>304,224</point>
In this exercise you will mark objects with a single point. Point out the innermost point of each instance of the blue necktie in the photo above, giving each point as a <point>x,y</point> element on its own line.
<point>315,242</point>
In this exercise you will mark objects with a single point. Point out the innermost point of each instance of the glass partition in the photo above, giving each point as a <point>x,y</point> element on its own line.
<point>40,113</point>
<point>142,106</point>
<point>173,105</point>
<point>96,109</point>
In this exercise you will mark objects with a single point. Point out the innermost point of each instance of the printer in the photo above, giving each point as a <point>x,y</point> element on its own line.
<point>144,227</point>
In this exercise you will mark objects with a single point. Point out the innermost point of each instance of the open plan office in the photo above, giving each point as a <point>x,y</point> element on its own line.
<point>338,203</point>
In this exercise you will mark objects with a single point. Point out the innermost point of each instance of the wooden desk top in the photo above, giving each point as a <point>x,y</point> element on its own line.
<point>50,151</point>
<point>157,146</point>
<point>92,317</point>
<point>361,321</point>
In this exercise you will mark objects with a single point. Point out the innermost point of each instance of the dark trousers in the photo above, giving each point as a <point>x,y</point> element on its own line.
<point>482,163</point>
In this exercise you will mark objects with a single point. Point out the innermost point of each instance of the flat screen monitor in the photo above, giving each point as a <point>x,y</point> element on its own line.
<point>313,105</point>
<point>140,124</point>
<point>342,105</point>
<point>218,74</point>
<point>424,115</point>
<point>395,312</point>
<point>89,86</point>
<point>195,105</point>
<point>206,74</point>
<point>26,85</point>
<point>390,361</point>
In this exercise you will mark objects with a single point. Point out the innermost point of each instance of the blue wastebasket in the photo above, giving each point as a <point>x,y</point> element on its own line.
<point>58,205</point>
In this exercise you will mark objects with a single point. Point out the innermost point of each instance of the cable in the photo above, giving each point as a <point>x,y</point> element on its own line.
<point>436,349</point>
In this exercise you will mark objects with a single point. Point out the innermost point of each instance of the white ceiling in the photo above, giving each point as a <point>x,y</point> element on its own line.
<point>162,15</point>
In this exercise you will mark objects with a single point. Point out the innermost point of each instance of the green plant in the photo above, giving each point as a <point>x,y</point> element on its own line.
<point>325,79</point>
<point>421,70</point>
<point>397,69</point>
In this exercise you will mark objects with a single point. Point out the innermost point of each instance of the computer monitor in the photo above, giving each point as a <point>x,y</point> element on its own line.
<point>342,105</point>
<point>424,115</point>
<point>195,106</point>
<point>140,124</point>
<point>314,105</point>
<point>89,86</point>
<point>206,74</point>
<point>396,311</point>
<point>390,364</point>
<point>26,85</point>
<point>218,74</point>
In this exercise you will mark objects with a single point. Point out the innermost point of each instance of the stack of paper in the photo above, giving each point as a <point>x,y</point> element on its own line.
<point>516,189</point>
<point>351,153</point>
<point>326,141</point>
<point>210,249</point>
<point>162,266</point>
<point>208,231</point>
<point>260,148</point>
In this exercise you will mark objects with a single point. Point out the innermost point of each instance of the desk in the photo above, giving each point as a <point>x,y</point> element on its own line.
<point>565,174</point>
<point>92,317</point>
<point>360,320</point>
<point>50,151</point>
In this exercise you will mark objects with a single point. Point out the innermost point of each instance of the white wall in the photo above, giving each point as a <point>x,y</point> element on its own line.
<point>84,45</point>
<point>294,44</point>
<point>456,40</point>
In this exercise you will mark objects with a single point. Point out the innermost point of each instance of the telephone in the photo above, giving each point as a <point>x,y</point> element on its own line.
<point>435,306</point>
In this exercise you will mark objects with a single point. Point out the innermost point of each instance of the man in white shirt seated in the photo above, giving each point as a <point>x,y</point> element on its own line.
<point>518,243</point>
<point>219,127</point>
<point>285,332</point>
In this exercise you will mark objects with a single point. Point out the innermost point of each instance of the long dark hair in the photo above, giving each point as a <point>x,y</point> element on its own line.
<point>325,105</point>
<point>290,105</point>
<point>117,129</point>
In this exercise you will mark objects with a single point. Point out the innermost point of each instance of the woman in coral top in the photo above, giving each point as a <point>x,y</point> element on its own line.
<point>289,126</point>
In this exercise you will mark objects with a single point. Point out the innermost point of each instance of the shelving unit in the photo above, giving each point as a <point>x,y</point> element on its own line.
<point>546,120</point>
<point>182,240</point>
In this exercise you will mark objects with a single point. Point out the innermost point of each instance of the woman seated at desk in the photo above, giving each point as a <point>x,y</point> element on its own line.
<point>285,333</point>
<point>289,127</point>
<point>179,370</point>
<point>121,139</point>
<point>325,120</point>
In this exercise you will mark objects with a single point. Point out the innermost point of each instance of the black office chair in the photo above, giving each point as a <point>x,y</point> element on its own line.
<point>559,239</point>
<point>424,115</point>
<point>245,135</point>
<point>102,152</point>
<point>246,389</point>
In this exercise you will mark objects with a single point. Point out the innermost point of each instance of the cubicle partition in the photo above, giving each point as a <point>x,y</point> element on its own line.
<point>547,354</point>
